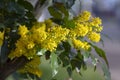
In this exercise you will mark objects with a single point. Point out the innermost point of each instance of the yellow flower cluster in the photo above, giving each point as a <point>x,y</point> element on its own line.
<point>93,36</point>
<point>23,31</point>
<point>32,67</point>
<point>1,38</point>
<point>47,35</point>
<point>84,16</point>
<point>79,44</point>
<point>38,36</point>
<point>24,46</point>
<point>86,27</point>
<point>96,24</point>
<point>56,34</point>
<point>81,29</point>
<point>38,33</point>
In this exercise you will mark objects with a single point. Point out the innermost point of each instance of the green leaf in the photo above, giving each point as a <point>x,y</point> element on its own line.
<point>67,46</point>
<point>70,42</point>
<point>69,23</point>
<point>64,58</point>
<point>47,55</point>
<point>26,4</point>
<point>84,66</point>
<point>77,63</point>
<point>54,63</point>
<point>106,71</point>
<point>86,55</point>
<point>79,55</point>
<point>54,12</point>
<point>94,61</point>
<point>72,53</point>
<point>69,70</point>
<point>101,53</point>
<point>62,8</point>
<point>41,52</point>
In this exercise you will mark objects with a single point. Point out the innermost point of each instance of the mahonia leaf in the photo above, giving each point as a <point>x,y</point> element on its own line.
<point>69,70</point>
<point>106,71</point>
<point>64,58</point>
<point>54,63</point>
<point>86,55</point>
<point>68,23</point>
<point>54,12</point>
<point>94,61</point>
<point>26,4</point>
<point>41,52</point>
<point>62,8</point>
<point>101,53</point>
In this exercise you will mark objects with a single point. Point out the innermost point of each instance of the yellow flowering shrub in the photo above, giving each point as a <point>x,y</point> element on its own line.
<point>48,35</point>
<point>65,39</point>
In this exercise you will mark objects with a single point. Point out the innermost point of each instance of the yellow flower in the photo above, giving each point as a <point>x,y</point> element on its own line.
<point>81,30</point>
<point>48,23</point>
<point>72,34</point>
<point>24,47</point>
<point>79,44</point>
<point>49,44</point>
<point>55,35</point>
<point>96,21</point>
<point>19,51</point>
<point>84,16</point>
<point>58,33</point>
<point>30,45</point>
<point>22,30</point>
<point>1,38</point>
<point>39,37</point>
<point>99,28</point>
<point>38,27</point>
<point>32,67</point>
<point>38,33</point>
<point>93,36</point>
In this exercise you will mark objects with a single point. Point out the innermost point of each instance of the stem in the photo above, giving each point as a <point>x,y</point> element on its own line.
<point>11,66</point>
